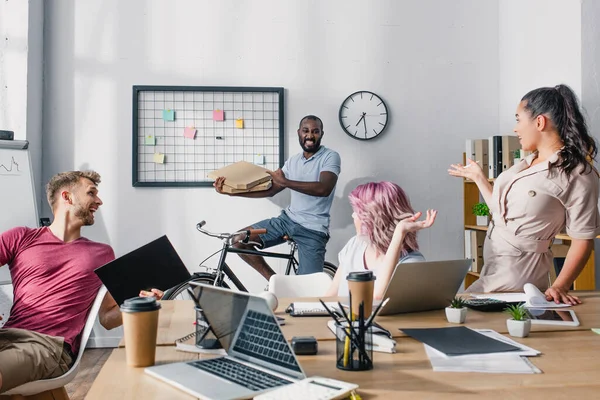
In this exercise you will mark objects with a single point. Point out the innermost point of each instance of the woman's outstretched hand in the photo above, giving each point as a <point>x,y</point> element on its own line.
<point>470,171</point>
<point>412,224</point>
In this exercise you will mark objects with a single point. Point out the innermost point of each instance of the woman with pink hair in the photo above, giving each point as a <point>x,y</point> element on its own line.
<point>386,235</point>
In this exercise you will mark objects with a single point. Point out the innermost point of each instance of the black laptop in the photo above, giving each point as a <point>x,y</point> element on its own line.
<point>154,265</point>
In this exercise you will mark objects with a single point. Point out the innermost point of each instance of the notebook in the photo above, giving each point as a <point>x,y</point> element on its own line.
<point>154,265</point>
<point>310,309</point>
<point>258,359</point>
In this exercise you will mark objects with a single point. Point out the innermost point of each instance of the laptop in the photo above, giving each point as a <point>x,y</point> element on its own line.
<point>423,286</point>
<point>258,359</point>
<point>154,265</point>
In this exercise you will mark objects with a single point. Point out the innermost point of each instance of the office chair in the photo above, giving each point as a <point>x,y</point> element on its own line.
<point>56,386</point>
<point>311,285</point>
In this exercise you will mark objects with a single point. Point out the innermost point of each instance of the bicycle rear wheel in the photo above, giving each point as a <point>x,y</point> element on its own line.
<point>180,292</point>
<point>329,269</point>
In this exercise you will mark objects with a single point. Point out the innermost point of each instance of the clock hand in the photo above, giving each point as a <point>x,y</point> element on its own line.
<point>365,123</point>
<point>362,118</point>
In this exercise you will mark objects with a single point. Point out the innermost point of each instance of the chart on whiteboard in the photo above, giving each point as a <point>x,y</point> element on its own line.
<point>10,166</point>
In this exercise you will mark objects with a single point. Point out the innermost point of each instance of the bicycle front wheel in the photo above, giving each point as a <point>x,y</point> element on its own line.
<point>180,292</point>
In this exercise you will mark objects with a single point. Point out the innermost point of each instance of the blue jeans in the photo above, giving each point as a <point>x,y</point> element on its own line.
<point>311,244</point>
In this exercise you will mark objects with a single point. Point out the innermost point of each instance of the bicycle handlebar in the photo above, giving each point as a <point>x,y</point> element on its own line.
<point>229,236</point>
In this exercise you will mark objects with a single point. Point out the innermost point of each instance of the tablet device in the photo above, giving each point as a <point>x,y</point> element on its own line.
<point>154,265</point>
<point>553,317</point>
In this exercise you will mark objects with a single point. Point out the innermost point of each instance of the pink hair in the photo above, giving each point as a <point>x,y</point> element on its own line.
<point>380,206</point>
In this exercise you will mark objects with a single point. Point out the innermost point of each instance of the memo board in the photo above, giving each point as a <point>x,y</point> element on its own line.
<point>181,133</point>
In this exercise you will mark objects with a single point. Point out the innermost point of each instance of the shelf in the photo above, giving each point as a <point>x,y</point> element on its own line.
<point>473,273</point>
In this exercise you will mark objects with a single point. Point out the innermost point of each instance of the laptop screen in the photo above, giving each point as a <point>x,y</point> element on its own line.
<point>246,327</point>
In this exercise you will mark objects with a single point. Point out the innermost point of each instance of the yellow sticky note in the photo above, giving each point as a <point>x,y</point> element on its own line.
<point>239,123</point>
<point>150,140</point>
<point>159,158</point>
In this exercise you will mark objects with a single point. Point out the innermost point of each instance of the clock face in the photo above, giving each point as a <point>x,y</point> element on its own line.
<point>363,115</point>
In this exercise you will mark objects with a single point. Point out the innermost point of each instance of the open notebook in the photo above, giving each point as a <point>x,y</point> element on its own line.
<point>531,296</point>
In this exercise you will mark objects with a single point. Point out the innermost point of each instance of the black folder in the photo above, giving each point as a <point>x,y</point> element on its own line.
<point>154,265</point>
<point>457,341</point>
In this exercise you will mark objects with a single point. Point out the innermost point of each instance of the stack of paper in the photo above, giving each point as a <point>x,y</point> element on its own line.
<point>243,177</point>
<point>474,350</point>
<point>531,296</point>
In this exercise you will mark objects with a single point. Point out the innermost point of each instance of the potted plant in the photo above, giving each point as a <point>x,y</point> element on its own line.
<point>482,211</point>
<point>519,324</point>
<point>456,312</point>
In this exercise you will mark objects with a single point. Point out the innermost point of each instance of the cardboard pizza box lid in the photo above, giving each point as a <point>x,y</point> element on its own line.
<point>241,175</point>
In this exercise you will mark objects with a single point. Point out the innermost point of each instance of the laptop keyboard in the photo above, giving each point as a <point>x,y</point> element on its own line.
<point>241,374</point>
<point>261,338</point>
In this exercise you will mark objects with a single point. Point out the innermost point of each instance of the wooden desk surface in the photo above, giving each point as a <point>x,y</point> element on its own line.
<point>176,320</point>
<point>570,362</point>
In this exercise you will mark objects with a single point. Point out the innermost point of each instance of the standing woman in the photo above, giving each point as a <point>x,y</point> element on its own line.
<point>554,188</point>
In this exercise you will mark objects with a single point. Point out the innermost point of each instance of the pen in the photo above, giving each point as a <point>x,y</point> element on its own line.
<point>370,320</point>
<point>468,165</point>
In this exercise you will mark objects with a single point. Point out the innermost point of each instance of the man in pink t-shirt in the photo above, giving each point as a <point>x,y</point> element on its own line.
<point>52,270</point>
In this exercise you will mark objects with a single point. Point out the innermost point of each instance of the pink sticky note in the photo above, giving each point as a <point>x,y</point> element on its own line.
<point>218,115</point>
<point>189,133</point>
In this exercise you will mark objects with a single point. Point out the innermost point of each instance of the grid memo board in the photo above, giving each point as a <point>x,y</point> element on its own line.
<point>181,133</point>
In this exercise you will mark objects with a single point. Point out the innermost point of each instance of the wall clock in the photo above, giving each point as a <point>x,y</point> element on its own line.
<point>363,115</point>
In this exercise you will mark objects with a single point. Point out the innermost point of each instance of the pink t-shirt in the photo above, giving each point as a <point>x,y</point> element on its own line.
<point>54,282</point>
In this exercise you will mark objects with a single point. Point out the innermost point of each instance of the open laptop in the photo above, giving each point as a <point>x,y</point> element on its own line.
<point>258,357</point>
<point>154,265</point>
<point>423,286</point>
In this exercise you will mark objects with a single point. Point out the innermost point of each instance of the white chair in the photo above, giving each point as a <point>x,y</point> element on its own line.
<point>56,385</point>
<point>311,285</point>
<point>6,300</point>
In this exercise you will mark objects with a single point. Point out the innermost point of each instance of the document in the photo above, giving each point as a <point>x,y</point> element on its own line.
<point>514,362</point>
<point>531,296</point>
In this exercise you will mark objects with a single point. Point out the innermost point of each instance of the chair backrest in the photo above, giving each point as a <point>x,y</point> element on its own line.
<point>6,300</point>
<point>36,387</point>
<point>311,285</point>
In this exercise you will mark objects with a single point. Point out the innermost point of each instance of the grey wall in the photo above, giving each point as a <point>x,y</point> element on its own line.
<point>590,64</point>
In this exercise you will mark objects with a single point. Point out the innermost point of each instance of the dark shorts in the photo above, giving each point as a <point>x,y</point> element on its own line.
<point>311,244</point>
<point>27,356</point>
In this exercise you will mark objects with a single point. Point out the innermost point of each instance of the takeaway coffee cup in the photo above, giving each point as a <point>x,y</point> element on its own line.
<point>360,286</point>
<point>140,323</point>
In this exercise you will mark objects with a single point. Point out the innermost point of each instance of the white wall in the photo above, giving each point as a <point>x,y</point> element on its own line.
<point>434,62</point>
<point>539,45</point>
<point>590,67</point>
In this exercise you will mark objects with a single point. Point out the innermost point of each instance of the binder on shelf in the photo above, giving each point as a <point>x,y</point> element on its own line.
<point>495,156</point>
<point>509,145</point>
<point>470,149</point>
<point>481,153</point>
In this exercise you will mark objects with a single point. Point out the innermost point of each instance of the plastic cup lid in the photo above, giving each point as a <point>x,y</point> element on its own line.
<point>361,276</point>
<point>138,304</point>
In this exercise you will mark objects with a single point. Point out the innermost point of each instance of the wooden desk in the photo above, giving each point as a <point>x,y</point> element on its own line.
<point>177,317</point>
<point>570,362</point>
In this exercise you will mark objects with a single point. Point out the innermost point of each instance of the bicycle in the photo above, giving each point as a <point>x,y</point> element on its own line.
<point>216,276</point>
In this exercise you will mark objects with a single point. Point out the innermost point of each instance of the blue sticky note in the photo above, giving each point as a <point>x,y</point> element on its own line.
<point>169,115</point>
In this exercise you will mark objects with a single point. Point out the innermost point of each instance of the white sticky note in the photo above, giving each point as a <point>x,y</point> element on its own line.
<point>259,159</point>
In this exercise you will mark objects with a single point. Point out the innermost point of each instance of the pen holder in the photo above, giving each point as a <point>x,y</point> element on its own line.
<point>205,339</point>
<point>353,349</point>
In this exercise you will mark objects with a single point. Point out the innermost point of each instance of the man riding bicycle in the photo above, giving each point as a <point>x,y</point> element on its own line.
<point>312,176</point>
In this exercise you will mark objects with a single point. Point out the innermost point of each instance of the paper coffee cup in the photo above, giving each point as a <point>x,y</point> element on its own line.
<point>140,323</point>
<point>360,286</point>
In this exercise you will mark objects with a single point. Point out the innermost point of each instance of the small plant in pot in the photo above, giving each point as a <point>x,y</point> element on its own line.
<point>519,323</point>
<point>482,212</point>
<point>456,312</point>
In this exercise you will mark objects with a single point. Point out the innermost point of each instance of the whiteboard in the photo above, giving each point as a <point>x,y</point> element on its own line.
<point>18,206</point>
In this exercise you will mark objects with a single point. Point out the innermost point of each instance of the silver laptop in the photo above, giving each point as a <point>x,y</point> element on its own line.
<point>424,286</point>
<point>258,357</point>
